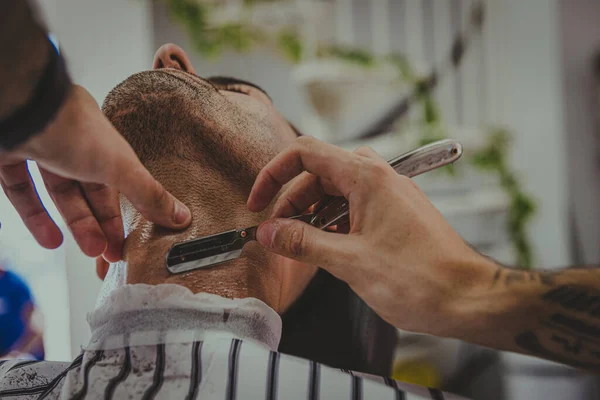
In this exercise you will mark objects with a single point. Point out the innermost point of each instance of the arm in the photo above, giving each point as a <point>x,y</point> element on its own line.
<point>552,315</point>
<point>404,259</point>
<point>24,53</point>
<point>84,161</point>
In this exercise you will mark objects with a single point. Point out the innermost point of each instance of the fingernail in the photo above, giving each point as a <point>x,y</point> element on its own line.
<point>182,213</point>
<point>266,233</point>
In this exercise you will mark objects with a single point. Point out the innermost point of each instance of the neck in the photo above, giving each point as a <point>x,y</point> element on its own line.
<point>251,275</point>
<point>247,276</point>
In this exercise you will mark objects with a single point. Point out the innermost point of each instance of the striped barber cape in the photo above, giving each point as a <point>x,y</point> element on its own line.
<point>163,342</point>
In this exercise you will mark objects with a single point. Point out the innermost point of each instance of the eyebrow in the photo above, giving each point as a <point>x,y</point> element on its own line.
<point>226,81</point>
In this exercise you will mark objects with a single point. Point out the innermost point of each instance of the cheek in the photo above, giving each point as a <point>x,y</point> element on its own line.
<point>279,129</point>
<point>284,134</point>
<point>249,105</point>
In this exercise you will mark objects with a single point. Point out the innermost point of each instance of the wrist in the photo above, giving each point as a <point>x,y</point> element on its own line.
<point>49,95</point>
<point>501,302</point>
<point>475,305</point>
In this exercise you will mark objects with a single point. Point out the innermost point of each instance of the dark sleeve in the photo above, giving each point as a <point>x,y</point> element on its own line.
<point>330,324</point>
<point>33,79</point>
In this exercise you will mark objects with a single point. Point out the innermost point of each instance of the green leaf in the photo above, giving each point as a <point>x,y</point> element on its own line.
<point>356,56</point>
<point>251,3</point>
<point>290,44</point>
<point>431,113</point>
<point>493,158</point>
<point>403,65</point>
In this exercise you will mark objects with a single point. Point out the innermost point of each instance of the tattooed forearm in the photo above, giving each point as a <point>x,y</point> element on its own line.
<point>576,298</point>
<point>576,326</point>
<point>569,329</point>
<point>566,352</point>
<point>548,314</point>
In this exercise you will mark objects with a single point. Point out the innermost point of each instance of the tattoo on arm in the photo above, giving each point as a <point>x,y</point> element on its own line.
<point>571,332</point>
<point>531,343</point>
<point>576,298</point>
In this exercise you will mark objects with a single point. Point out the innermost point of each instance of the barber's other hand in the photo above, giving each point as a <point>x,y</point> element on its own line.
<point>400,255</point>
<point>85,163</point>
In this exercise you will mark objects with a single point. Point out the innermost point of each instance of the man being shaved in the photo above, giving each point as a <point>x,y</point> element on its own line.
<point>208,333</point>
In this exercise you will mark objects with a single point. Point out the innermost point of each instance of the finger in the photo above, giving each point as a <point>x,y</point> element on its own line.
<point>368,152</point>
<point>304,191</point>
<point>102,267</point>
<point>306,154</point>
<point>20,190</point>
<point>72,205</point>
<point>104,203</point>
<point>305,243</point>
<point>149,197</point>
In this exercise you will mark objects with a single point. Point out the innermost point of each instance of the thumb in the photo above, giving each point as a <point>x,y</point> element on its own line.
<point>152,200</point>
<point>303,242</point>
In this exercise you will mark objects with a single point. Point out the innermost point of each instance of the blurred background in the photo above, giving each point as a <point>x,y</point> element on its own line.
<point>517,82</point>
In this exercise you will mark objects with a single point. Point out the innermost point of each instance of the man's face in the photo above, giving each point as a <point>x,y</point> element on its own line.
<point>205,140</point>
<point>219,131</point>
<point>249,98</point>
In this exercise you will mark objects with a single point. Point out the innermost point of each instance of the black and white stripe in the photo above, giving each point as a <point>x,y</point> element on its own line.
<point>314,380</point>
<point>196,373</point>
<point>86,375</point>
<point>123,374</point>
<point>52,385</point>
<point>234,355</point>
<point>394,385</point>
<point>21,365</point>
<point>272,376</point>
<point>24,391</point>
<point>357,388</point>
<point>230,372</point>
<point>159,372</point>
<point>436,394</point>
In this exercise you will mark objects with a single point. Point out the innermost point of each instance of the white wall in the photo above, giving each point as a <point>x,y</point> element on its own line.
<point>533,109</point>
<point>580,43</point>
<point>104,42</point>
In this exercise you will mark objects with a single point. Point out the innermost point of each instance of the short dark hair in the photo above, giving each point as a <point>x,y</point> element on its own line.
<point>151,112</point>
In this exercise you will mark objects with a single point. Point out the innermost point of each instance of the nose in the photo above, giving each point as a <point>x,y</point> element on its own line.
<point>172,56</point>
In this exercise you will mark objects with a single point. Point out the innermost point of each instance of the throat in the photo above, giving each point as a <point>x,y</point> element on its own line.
<point>247,276</point>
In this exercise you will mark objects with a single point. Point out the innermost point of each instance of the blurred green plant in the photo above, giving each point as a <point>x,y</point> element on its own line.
<point>291,46</point>
<point>358,57</point>
<point>211,40</point>
<point>493,158</point>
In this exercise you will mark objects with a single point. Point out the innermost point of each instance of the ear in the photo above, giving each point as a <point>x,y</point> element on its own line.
<point>101,267</point>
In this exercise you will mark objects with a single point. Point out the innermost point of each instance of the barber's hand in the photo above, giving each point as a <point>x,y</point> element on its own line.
<point>85,163</point>
<point>400,255</point>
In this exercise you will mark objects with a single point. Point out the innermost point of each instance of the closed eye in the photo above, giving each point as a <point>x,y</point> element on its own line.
<point>237,90</point>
